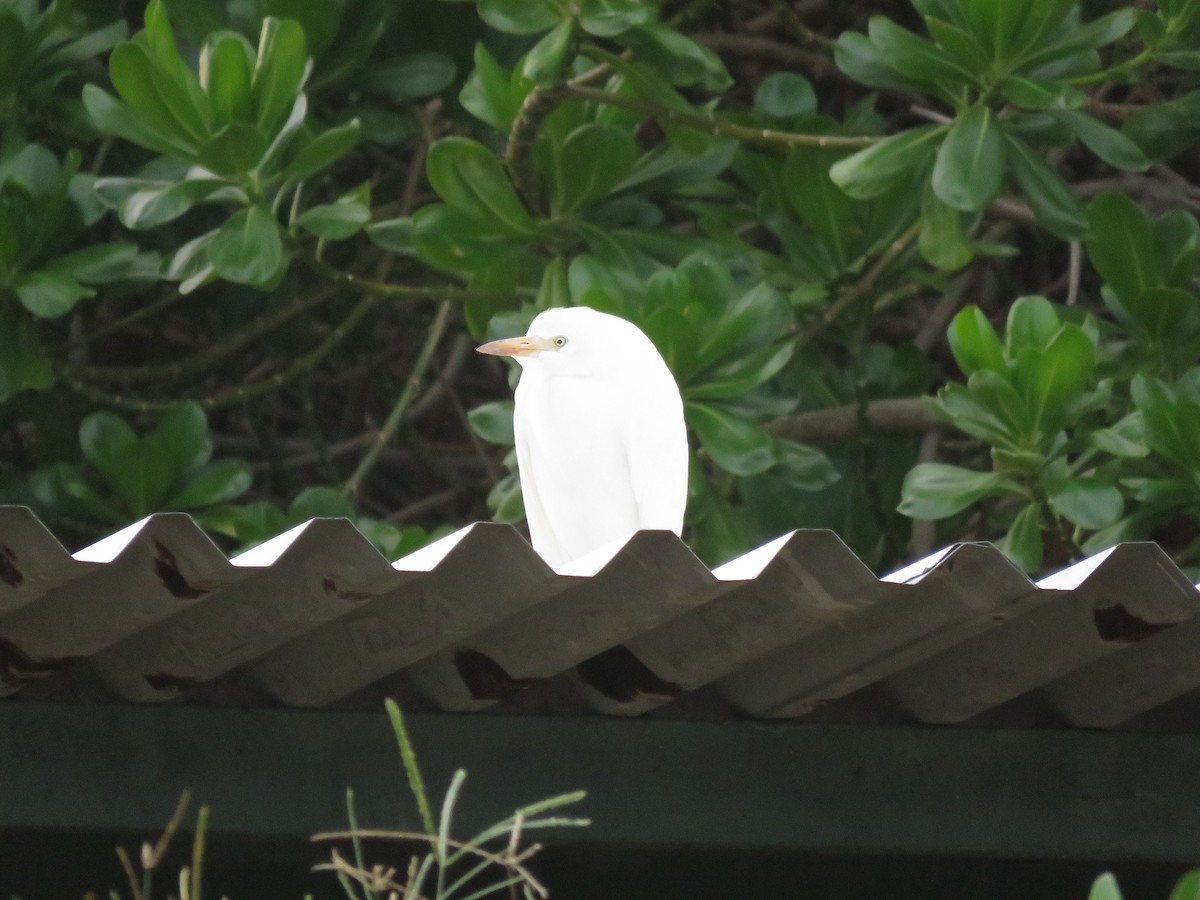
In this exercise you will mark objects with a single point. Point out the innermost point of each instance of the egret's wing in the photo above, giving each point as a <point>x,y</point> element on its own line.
<point>657,454</point>
<point>541,535</point>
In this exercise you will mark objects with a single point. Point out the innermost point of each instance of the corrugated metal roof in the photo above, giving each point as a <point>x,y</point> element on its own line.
<point>157,611</point>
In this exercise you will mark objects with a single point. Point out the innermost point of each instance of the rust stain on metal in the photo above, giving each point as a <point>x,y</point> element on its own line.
<point>167,570</point>
<point>9,573</point>
<point>329,586</point>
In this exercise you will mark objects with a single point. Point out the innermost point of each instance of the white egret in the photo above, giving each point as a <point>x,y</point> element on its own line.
<point>601,443</point>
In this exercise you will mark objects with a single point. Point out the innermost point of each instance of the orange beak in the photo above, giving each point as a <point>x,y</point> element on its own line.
<point>516,346</point>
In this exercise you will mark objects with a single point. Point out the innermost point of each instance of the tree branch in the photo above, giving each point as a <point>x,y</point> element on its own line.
<point>719,127</point>
<point>901,416</point>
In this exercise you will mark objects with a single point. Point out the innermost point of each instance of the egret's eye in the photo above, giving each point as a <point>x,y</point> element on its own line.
<point>560,341</point>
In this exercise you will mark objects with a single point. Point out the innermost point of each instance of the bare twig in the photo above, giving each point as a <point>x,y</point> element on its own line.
<point>232,395</point>
<point>354,482</point>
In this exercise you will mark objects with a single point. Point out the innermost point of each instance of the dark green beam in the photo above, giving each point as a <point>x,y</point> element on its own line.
<point>1011,794</point>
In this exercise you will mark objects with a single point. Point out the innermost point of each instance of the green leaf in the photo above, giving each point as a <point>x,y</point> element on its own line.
<point>1121,246</point>
<point>595,159</point>
<point>178,83</point>
<point>226,69</point>
<point>1107,143</point>
<point>1051,199</point>
<point>861,60</point>
<point>678,57</point>
<point>961,45</point>
<point>96,264</point>
<point>913,56</point>
<point>279,71</point>
<point>1088,502</point>
<point>189,264</point>
<point>892,161</point>
<point>1166,129</point>
<point>161,104</point>
<point>1172,426</point>
<point>490,94</point>
<point>410,77</point>
<point>234,149</point>
<point>970,163</point>
<point>1023,542</point>
<point>804,467</point>
<point>468,176</point>
<point>248,248</point>
<point>812,194</point>
<point>24,363</point>
<point>742,375</point>
<point>505,501</point>
<point>943,240</point>
<point>449,238</point>
<point>1125,439</point>
<point>974,343</point>
<point>939,490</point>
<point>181,439</point>
<point>153,203</point>
<point>217,482</point>
<point>320,502</point>
<point>544,62</point>
<point>50,294</point>
<point>493,422</point>
<point>395,235</point>
<point>785,95</point>
<point>108,443</point>
<point>1042,94</point>
<point>341,219</point>
<point>1072,41</point>
<point>320,19</point>
<point>1188,887</point>
<point>1105,888</point>
<point>1062,373</point>
<point>995,410</point>
<point>111,116</point>
<point>554,289</point>
<point>526,17</point>
<point>735,444</point>
<point>1032,325</point>
<point>323,150</point>
<point>609,18</point>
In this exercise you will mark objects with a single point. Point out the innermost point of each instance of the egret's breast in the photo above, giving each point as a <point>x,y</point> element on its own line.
<point>574,431</point>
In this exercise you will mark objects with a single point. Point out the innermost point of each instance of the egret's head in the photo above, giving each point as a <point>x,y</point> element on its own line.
<point>573,340</point>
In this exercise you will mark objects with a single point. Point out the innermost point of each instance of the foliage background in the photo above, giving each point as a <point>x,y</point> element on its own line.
<point>925,271</point>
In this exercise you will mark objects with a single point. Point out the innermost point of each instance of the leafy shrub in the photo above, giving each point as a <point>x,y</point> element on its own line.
<point>296,218</point>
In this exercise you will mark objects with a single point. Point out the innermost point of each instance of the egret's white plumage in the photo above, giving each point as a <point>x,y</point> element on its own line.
<point>601,443</point>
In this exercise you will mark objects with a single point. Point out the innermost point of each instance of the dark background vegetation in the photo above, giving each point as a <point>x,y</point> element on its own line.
<point>247,249</point>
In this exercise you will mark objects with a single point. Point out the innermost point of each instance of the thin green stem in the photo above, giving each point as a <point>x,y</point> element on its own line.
<point>407,395</point>
<point>719,127</point>
<point>798,30</point>
<point>1124,68</point>
<point>860,288</point>
<point>398,291</point>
